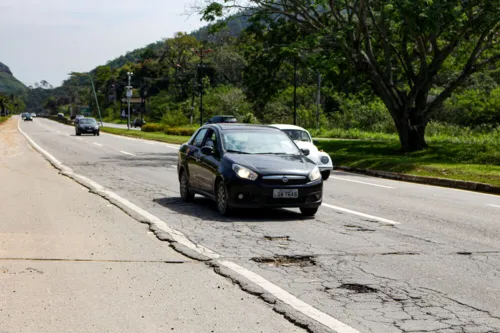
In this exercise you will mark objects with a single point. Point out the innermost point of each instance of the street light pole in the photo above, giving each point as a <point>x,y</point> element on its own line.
<point>201,53</point>
<point>295,91</point>
<point>129,96</point>
<point>93,89</point>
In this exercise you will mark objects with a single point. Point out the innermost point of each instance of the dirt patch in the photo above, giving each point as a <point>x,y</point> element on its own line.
<point>296,260</point>
<point>358,228</point>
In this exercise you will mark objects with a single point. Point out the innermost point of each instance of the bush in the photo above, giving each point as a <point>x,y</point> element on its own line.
<point>181,131</point>
<point>153,127</point>
<point>174,118</point>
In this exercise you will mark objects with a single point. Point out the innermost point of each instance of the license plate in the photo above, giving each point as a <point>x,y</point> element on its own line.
<point>286,194</point>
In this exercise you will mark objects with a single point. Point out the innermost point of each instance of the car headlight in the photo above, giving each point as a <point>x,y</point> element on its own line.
<point>325,159</point>
<point>315,174</point>
<point>97,127</point>
<point>244,173</point>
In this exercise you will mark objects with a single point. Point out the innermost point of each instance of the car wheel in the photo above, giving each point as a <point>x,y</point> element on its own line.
<point>222,199</point>
<point>78,133</point>
<point>186,194</point>
<point>325,174</point>
<point>98,133</point>
<point>308,211</point>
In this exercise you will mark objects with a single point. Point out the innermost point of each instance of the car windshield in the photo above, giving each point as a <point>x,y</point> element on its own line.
<point>298,135</point>
<point>87,121</point>
<point>251,141</point>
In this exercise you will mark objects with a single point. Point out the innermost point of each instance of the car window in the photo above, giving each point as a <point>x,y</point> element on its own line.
<point>251,141</point>
<point>198,139</point>
<point>298,135</point>
<point>211,140</point>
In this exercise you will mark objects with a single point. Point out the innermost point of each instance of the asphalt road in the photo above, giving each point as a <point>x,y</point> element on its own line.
<point>72,262</point>
<point>380,256</point>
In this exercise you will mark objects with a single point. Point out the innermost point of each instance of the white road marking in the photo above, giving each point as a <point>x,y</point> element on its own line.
<point>345,210</point>
<point>150,142</point>
<point>97,144</point>
<point>124,152</point>
<point>174,166</point>
<point>289,299</point>
<point>496,206</point>
<point>179,237</point>
<point>360,182</point>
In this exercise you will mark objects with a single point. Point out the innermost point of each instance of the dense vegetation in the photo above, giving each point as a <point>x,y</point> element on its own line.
<point>390,67</point>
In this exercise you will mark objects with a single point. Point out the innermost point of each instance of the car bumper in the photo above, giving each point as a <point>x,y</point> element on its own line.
<point>256,195</point>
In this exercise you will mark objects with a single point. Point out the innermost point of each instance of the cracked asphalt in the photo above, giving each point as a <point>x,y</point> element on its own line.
<point>435,269</point>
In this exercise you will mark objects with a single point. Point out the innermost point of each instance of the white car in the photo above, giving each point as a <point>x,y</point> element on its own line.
<point>304,140</point>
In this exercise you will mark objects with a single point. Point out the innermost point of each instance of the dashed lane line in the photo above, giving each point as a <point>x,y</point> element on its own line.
<point>126,153</point>
<point>371,217</point>
<point>361,182</point>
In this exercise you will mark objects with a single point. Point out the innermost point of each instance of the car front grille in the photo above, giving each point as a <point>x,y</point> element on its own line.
<point>284,180</point>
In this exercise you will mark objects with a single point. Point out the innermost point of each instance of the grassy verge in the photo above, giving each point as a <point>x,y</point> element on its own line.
<point>478,162</point>
<point>4,119</point>
<point>157,136</point>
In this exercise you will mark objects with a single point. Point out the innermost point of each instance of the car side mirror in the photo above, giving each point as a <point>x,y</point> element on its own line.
<point>207,150</point>
<point>306,152</point>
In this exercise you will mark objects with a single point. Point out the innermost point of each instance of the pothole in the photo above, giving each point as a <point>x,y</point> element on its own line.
<point>358,288</point>
<point>277,261</point>
<point>465,253</point>
<point>273,238</point>
<point>358,228</point>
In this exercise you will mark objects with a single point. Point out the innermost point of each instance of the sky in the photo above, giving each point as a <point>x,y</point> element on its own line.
<point>45,40</point>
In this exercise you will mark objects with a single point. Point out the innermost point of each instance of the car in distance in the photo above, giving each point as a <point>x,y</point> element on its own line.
<point>221,119</point>
<point>248,166</point>
<point>86,126</point>
<point>303,139</point>
<point>26,116</point>
<point>138,122</point>
<point>33,115</point>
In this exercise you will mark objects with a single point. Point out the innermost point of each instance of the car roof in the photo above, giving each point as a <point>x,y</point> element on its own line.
<point>236,126</point>
<point>288,127</point>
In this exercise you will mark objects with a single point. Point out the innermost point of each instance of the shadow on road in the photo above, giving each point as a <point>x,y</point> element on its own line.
<point>205,209</point>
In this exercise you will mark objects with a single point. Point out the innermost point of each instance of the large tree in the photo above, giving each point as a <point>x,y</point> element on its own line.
<point>415,53</point>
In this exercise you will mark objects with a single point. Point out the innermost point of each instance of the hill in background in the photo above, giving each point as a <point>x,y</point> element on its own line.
<point>8,83</point>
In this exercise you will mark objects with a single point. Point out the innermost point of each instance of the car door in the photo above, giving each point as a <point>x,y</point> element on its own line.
<point>210,163</point>
<point>193,158</point>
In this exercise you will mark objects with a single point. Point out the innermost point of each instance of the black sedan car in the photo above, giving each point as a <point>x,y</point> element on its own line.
<point>248,166</point>
<point>86,126</point>
<point>27,116</point>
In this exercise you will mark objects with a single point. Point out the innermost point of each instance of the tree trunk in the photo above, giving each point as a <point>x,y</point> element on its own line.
<point>411,131</point>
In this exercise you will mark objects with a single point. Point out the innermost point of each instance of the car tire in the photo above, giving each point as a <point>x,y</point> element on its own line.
<point>308,211</point>
<point>325,174</point>
<point>98,133</point>
<point>222,199</point>
<point>78,134</point>
<point>186,194</point>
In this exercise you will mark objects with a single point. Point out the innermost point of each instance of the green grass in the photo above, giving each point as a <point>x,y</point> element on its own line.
<point>4,119</point>
<point>447,158</point>
<point>157,136</point>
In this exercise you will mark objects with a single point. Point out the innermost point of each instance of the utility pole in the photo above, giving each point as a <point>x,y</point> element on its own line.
<point>318,101</point>
<point>201,53</point>
<point>295,91</point>
<point>129,96</point>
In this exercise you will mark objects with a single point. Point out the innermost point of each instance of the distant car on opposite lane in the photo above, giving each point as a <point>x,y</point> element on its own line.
<point>221,119</point>
<point>33,115</point>
<point>138,122</point>
<point>303,139</point>
<point>248,166</point>
<point>26,116</point>
<point>86,126</point>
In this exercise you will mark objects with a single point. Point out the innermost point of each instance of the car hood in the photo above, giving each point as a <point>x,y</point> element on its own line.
<point>274,164</point>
